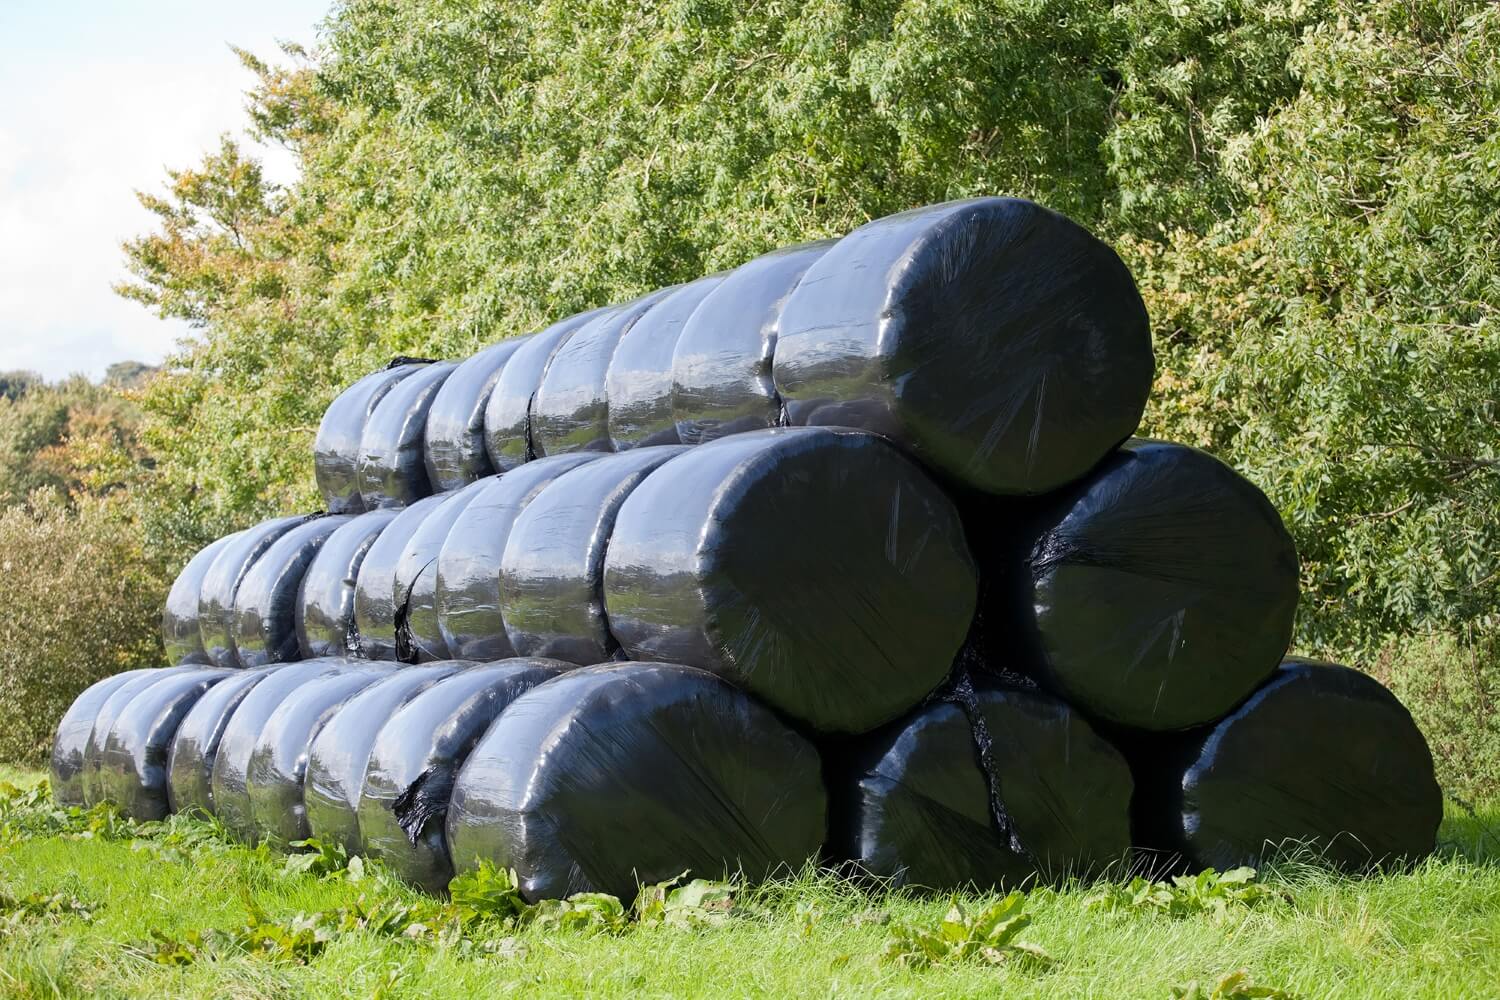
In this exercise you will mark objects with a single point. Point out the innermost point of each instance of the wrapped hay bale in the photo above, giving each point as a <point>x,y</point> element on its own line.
<point>221,585</point>
<point>89,780</point>
<point>651,769</point>
<point>190,761</point>
<point>392,460</point>
<point>375,584</point>
<point>418,637</point>
<point>264,626</point>
<point>455,451</point>
<point>181,637</point>
<point>65,770</point>
<point>996,341</point>
<point>336,448</point>
<point>325,601</point>
<point>819,570</point>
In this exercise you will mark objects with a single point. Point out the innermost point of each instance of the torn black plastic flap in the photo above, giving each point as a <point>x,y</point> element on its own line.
<point>993,339</point>
<point>418,638</point>
<point>1320,756</point>
<point>337,756</point>
<point>721,364</point>
<point>90,781</point>
<point>265,605</point>
<point>324,617</point>
<point>190,762</point>
<point>65,769</point>
<point>619,774</point>
<point>336,447</point>
<point>455,451</point>
<point>182,639</point>
<point>221,585</point>
<point>638,384</point>
<point>392,462</point>
<point>467,589</point>
<point>375,585</point>
<point>819,569</point>
<point>507,415</point>
<point>552,572</point>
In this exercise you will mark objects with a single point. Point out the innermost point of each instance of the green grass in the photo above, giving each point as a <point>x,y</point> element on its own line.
<point>1433,931</point>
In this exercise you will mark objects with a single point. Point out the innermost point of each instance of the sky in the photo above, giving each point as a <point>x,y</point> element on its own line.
<point>97,99</point>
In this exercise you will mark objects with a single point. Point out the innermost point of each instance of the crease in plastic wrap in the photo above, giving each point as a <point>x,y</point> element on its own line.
<point>455,451</point>
<point>65,767</point>
<point>182,639</point>
<point>1157,593</point>
<point>190,761</point>
<point>324,618</point>
<point>818,569</point>
<point>418,637</point>
<point>570,411</point>
<point>90,779</point>
<point>392,449</point>
<point>912,801</point>
<point>507,414</point>
<point>1320,755</point>
<point>996,341</point>
<point>627,773</point>
<point>336,447</point>
<point>221,585</point>
<point>552,572</point>
<point>133,755</point>
<point>638,384</point>
<point>337,756</point>
<point>721,378</point>
<point>375,584</point>
<point>408,781</point>
<point>467,588</point>
<point>266,603</point>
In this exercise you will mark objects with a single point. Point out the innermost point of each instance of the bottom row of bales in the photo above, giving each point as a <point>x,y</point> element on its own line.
<point>605,777</point>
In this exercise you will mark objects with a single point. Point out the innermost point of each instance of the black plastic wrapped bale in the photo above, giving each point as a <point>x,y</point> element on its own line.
<point>507,415</point>
<point>392,464</point>
<point>227,782</point>
<point>190,763</point>
<point>265,605</point>
<point>336,448</point>
<point>721,364</point>
<point>570,411</point>
<point>133,757</point>
<point>181,637</point>
<point>89,780</point>
<point>820,570</point>
<point>403,806</point>
<point>997,341</point>
<point>470,616</point>
<point>73,730</point>
<point>273,778</point>
<point>914,802</point>
<point>337,756</point>
<point>638,385</point>
<point>629,773</point>
<point>221,585</point>
<point>375,584</point>
<point>552,573</point>
<point>325,601</point>
<point>1320,756</point>
<point>418,637</point>
<point>1156,594</point>
<point>455,451</point>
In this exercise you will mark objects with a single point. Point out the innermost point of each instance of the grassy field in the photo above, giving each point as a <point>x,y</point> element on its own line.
<point>1430,932</point>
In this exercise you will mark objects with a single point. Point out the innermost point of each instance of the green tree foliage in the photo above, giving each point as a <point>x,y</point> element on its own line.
<point>70,436</point>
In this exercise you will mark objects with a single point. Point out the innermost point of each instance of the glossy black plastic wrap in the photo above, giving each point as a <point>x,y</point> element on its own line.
<point>221,585</point>
<point>995,340</point>
<point>470,616</point>
<point>721,363</point>
<point>278,763</point>
<point>638,384</point>
<point>627,773</point>
<point>418,637</point>
<point>913,802</point>
<point>821,570</point>
<point>552,573</point>
<point>392,462</point>
<point>507,415</point>
<point>265,606</point>
<point>375,584</point>
<point>337,756</point>
<point>416,757</point>
<point>73,729</point>
<point>455,451</point>
<point>325,601</point>
<point>89,779</point>
<point>133,755</point>
<point>1156,594</point>
<point>190,762</point>
<point>570,411</point>
<point>336,448</point>
<point>1321,755</point>
<point>227,782</point>
<point>181,637</point>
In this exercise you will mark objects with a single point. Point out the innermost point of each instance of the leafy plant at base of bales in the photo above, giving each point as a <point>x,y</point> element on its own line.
<point>1186,895</point>
<point>986,936</point>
